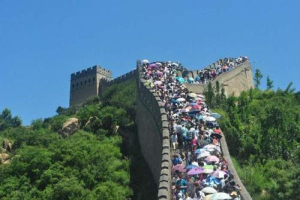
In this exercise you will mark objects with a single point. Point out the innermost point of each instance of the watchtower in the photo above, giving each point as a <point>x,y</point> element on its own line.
<point>85,84</point>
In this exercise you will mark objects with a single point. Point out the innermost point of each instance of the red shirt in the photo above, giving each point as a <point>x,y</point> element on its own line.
<point>218,131</point>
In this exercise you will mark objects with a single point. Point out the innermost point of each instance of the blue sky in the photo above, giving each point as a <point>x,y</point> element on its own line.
<point>43,42</point>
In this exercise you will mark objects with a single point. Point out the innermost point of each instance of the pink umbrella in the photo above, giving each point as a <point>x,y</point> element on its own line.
<point>196,170</point>
<point>218,174</point>
<point>179,167</point>
<point>212,159</point>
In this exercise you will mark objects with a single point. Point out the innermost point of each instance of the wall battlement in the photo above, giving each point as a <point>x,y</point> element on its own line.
<point>124,77</point>
<point>154,136</point>
<point>85,83</point>
<point>91,71</point>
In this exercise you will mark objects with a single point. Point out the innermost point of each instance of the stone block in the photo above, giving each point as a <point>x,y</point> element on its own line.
<point>163,195</point>
<point>165,158</point>
<point>166,144</point>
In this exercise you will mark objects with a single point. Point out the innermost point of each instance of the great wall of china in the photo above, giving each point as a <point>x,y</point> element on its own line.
<point>154,136</point>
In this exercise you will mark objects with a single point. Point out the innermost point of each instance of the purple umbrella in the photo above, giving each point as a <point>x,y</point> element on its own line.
<point>159,73</point>
<point>195,171</point>
<point>153,66</point>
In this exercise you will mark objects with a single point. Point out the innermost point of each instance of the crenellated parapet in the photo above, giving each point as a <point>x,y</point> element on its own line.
<point>91,71</point>
<point>154,136</point>
<point>85,83</point>
<point>130,75</point>
<point>104,83</point>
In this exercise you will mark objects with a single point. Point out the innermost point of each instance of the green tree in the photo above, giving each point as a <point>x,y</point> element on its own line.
<point>257,78</point>
<point>288,89</point>
<point>218,95</point>
<point>209,95</point>
<point>6,120</point>
<point>269,83</point>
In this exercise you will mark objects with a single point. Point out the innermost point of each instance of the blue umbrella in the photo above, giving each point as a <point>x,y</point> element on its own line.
<point>215,115</point>
<point>211,180</point>
<point>190,80</point>
<point>191,167</point>
<point>193,104</point>
<point>200,117</point>
<point>194,112</point>
<point>180,79</point>
<point>199,150</point>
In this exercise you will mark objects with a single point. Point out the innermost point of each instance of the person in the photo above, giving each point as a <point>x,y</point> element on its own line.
<point>174,140</point>
<point>223,182</point>
<point>190,187</point>
<point>182,183</point>
<point>218,130</point>
<point>184,134</point>
<point>176,159</point>
<point>194,143</point>
<point>215,141</point>
<point>189,135</point>
<point>178,193</point>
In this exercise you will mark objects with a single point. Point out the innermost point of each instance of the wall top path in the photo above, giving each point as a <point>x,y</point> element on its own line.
<point>234,81</point>
<point>224,77</point>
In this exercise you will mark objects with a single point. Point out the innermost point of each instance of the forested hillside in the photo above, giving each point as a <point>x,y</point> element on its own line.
<point>262,130</point>
<point>93,163</point>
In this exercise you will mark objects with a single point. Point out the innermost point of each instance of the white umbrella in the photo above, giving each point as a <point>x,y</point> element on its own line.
<point>193,95</point>
<point>175,64</point>
<point>195,163</point>
<point>201,96</point>
<point>159,64</point>
<point>181,99</point>
<point>145,61</point>
<point>218,196</point>
<point>210,146</point>
<point>209,190</point>
<point>208,171</point>
<point>203,154</point>
<point>210,119</point>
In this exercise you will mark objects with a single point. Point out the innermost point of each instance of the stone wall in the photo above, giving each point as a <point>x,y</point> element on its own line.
<point>244,193</point>
<point>154,136</point>
<point>153,133</point>
<point>104,83</point>
<point>234,81</point>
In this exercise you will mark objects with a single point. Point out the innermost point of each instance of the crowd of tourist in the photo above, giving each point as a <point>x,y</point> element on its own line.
<point>199,170</point>
<point>219,67</point>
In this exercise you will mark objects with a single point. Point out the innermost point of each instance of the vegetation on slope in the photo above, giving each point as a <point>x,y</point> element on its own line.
<point>89,164</point>
<point>262,130</point>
